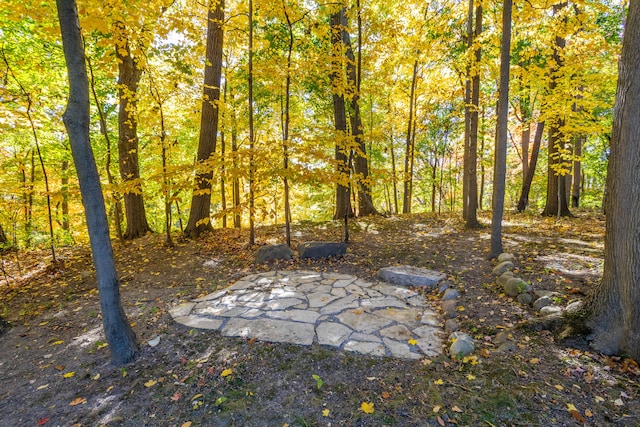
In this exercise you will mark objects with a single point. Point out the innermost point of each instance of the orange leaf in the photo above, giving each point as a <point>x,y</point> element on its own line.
<point>385,395</point>
<point>440,420</point>
<point>78,401</point>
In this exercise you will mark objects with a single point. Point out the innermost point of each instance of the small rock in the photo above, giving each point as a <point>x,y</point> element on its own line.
<point>450,294</point>
<point>449,309</point>
<point>514,286</point>
<point>501,337</point>
<point>542,302</point>
<point>406,275</point>
<point>525,299</point>
<point>271,252</point>
<point>573,307</point>
<point>321,249</point>
<point>504,277</point>
<point>444,286</point>
<point>451,325</point>
<point>154,341</point>
<point>461,346</point>
<point>506,257</point>
<point>550,309</point>
<point>502,267</point>
<point>211,264</point>
<point>506,346</point>
<point>545,293</point>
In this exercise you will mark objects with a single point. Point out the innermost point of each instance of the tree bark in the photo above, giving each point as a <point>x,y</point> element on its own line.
<point>128,79</point>
<point>199,220</point>
<point>118,332</point>
<point>577,171</point>
<point>3,238</point>
<point>613,306</point>
<point>523,201</point>
<point>408,154</point>
<point>252,166</point>
<point>342,149</point>
<point>500,169</point>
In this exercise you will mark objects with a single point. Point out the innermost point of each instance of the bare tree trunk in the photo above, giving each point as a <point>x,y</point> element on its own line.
<point>577,173</point>
<point>128,78</point>
<point>199,220</point>
<point>531,170</point>
<point>118,332</point>
<point>394,175</point>
<point>252,231</point>
<point>500,169</point>
<point>223,167</point>
<point>613,306</point>
<point>64,189</point>
<point>408,155</point>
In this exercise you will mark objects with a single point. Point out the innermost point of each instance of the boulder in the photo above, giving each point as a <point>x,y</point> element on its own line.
<point>406,275</point>
<point>451,325</point>
<point>504,277</point>
<point>461,346</point>
<point>450,294</point>
<point>505,257</point>
<point>525,299</point>
<point>449,309</point>
<point>502,267</point>
<point>542,302</point>
<point>321,249</point>
<point>573,307</point>
<point>515,286</point>
<point>550,309</point>
<point>271,252</point>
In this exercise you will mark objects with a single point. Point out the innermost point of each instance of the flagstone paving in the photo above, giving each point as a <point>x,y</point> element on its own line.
<point>306,307</point>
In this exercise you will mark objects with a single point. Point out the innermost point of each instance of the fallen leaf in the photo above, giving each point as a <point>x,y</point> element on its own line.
<point>559,387</point>
<point>42,421</point>
<point>534,361</point>
<point>226,372</point>
<point>437,408</point>
<point>186,424</point>
<point>440,420</point>
<point>176,396</point>
<point>95,377</point>
<point>599,399</point>
<point>196,396</point>
<point>456,409</point>
<point>57,342</point>
<point>78,401</point>
<point>150,383</point>
<point>471,377</point>
<point>68,374</point>
<point>367,407</point>
<point>438,382</point>
<point>575,413</point>
<point>58,367</point>
<point>220,400</point>
<point>385,395</point>
<point>618,402</point>
<point>588,413</point>
<point>42,387</point>
<point>412,342</point>
<point>325,412</point>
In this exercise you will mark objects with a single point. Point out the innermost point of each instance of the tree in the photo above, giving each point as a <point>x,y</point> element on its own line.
<point>613,306</point>
<point>3,238</point>
<point>118,332</point>
<point>500,168</point>
<point>199,221</point>
<point>129,73</point>
<point>523,201</point>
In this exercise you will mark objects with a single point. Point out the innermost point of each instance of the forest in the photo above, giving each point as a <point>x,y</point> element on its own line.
<point>149,148</point>
<point>292,105</point>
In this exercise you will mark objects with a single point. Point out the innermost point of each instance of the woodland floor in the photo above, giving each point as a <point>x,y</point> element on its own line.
<point>55,368</point>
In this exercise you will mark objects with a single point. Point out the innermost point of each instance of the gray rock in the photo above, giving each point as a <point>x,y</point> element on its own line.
<point>506,346</point>
<point>271,252</point>
<point>321,249</point>
<point>451,325</point>
<point>504,277</point>
<point>461,346</point>
<point>525,299</point>
<point>443,286</point>
<point>573,307</point>
<point>506,257</point>
<point>550,309</point>
<point>545,293</point>
<point>501,337</point>
<point>514,286</point>
<point>502,267</point>
<point>449,309</point>
<point>542,302</point>
<point>450,294</point>
<point>410,276</point>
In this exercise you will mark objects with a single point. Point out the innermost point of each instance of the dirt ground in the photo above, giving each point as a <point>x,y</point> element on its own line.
<point>55,365</point>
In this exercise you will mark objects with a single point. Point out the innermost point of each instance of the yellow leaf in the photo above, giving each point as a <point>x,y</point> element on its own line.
<point>367,407</point>
<point>42,387</point>
<point>571,407</point>
<point>57,342</point>
<point>68,374</point>
<point>456,409</point>
<point>150,383</point>
<point>77,401</point>
<point>471,377</point>
<point>325,412</point>
<point>438,382</point>
<point>559,387</point>
<point>534,361</point>
<point>599,399</point>
<point>437,408</point>
<point>226,372</point>
<point>412,342</point>
<point>588,413</point>
<point>95,377</point>
<point>187,424</point>
<point>196,396</point>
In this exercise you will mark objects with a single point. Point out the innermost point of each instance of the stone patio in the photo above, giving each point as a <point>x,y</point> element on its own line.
<point>306,307</point>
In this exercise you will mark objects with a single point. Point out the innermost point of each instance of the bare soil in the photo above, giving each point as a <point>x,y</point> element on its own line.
<point>56,370</point>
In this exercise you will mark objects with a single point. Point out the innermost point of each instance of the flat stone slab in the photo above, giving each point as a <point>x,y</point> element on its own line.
<point>307,307</point>
<point>406,275</point>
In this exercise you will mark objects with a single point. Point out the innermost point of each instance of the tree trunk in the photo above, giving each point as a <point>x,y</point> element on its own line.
<point>470,179</point>
<point>556,204</point>
<point>408,154</point>
<point>118,332</point>
<point>223,167</point>
<point>128,78</point>
<point>3,238</point>
<point>199,220</point>
<point>531,170</point>
<point>252,166</point>
<point>285,129</point>
<point>342,149</point>
<point>500,169</point>
<point>613,306</point>
<point>64,189</point>
<point>577,171</point>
